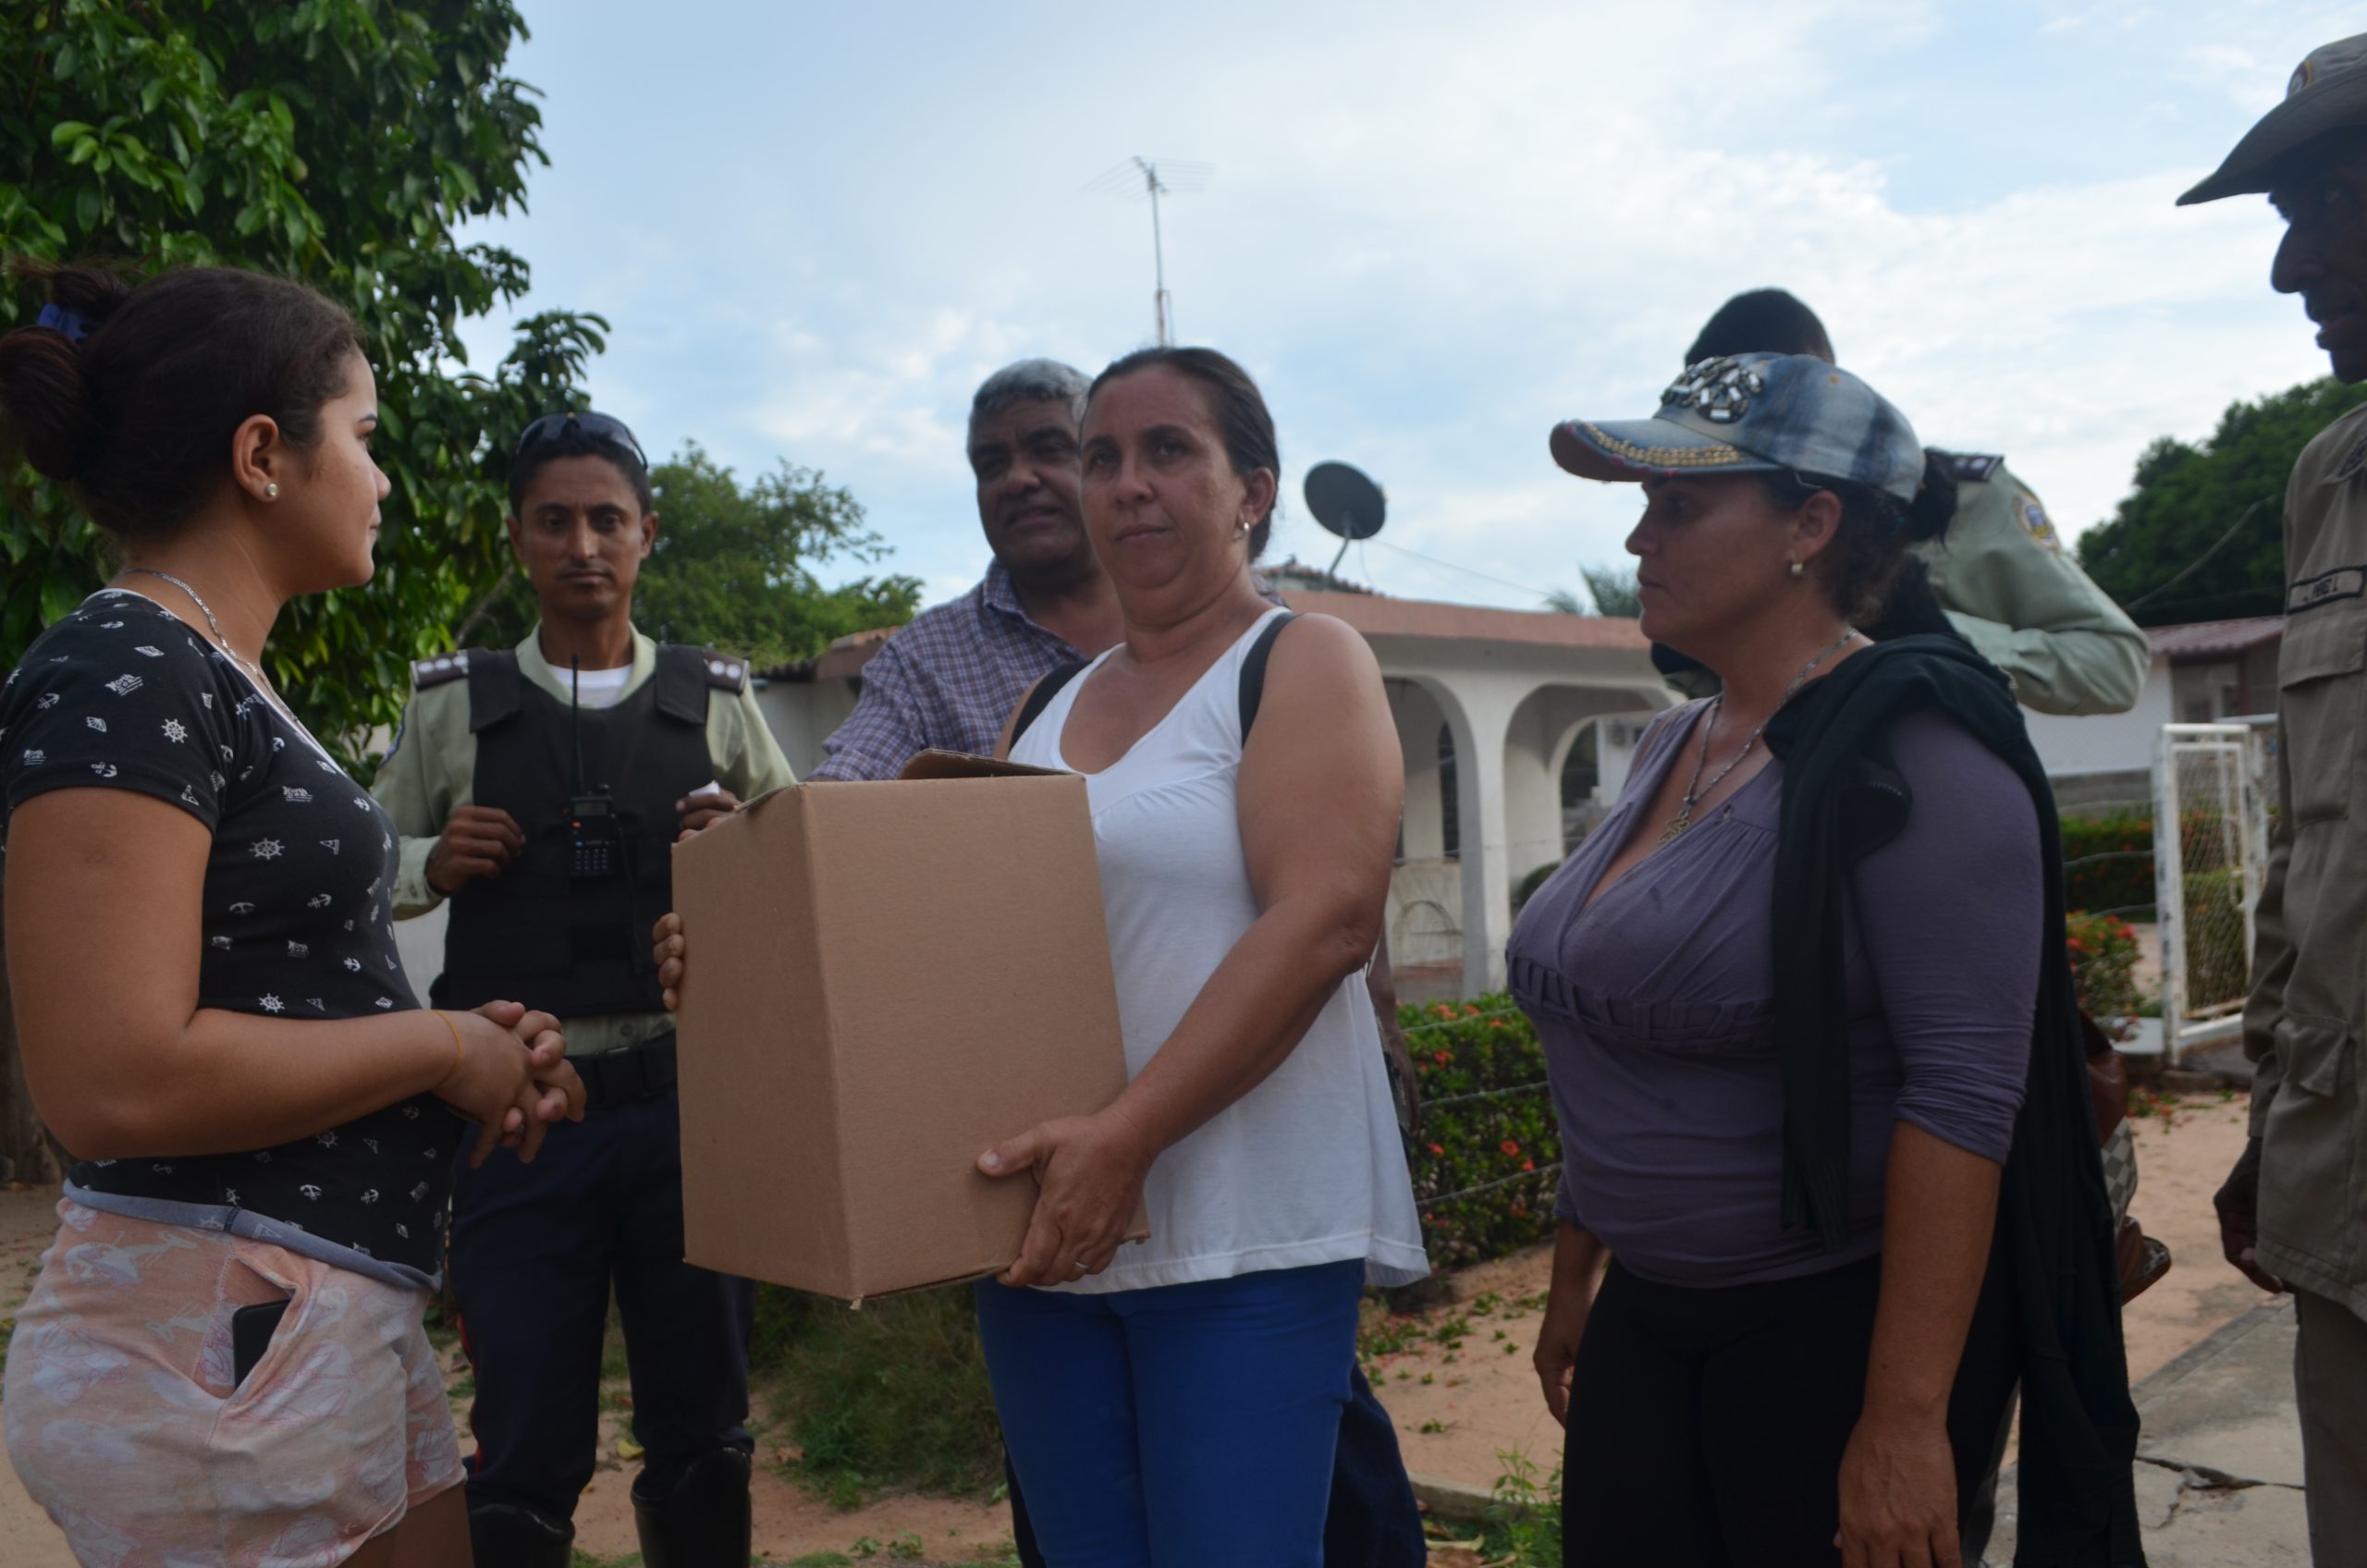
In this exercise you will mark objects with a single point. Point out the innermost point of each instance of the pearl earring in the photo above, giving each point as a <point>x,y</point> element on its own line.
<point>1799,571</point>
<point>271,491</point>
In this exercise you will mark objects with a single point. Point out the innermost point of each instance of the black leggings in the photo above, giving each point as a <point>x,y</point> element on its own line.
<point>1706,1425</point>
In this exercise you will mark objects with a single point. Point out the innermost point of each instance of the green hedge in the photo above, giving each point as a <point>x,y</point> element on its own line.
<point>2108,860</point>
<point>1489,1155</point>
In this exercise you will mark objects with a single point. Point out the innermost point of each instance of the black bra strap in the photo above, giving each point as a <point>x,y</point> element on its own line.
<point>1041,697</point>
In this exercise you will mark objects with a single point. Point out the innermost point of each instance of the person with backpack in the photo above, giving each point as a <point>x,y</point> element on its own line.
<point>950,679</point>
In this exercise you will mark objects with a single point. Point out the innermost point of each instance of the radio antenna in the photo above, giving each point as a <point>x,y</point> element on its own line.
<point>575,713</point>
<point>1155,177</point>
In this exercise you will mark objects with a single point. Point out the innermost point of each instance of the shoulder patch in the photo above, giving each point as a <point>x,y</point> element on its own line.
<point>1970,468</point>
<point>2034,521</point>
<point>2352,460</point>
<point>725,674</point>
<point>441,671</point>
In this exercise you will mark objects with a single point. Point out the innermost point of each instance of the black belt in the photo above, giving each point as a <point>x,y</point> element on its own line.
<point>628,1073</point>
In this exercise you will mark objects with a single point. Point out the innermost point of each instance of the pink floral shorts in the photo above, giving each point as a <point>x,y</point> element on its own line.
<point>123,1424</point>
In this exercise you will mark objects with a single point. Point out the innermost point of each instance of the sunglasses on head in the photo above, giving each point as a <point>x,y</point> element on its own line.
<point>599,427</point>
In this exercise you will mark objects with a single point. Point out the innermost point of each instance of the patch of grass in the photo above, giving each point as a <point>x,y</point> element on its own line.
<point>582,1559</point>
<point>892,1396</point>
<point>1524,1527</point>
<point>821,1559</point>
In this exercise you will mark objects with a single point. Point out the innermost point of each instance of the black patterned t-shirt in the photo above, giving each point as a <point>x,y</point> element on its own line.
<point>298,921</point>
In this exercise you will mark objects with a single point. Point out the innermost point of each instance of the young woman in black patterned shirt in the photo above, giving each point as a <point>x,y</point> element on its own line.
<point>211,1014</point>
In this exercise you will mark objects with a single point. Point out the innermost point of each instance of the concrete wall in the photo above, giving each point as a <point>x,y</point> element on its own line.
<point>802,714</point>
<point>2115,742</point>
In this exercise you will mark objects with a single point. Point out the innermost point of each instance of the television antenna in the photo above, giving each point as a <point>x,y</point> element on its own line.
<point>1346,502</point>
<point>1155,177</point>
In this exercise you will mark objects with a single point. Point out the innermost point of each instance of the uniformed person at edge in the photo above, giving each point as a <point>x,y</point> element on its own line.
<point>538,790</point>
<point>2001,574</point>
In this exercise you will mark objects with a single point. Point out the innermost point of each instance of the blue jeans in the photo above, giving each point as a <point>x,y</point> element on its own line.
<point>1179,1425</point>
<point>1375,1520</point>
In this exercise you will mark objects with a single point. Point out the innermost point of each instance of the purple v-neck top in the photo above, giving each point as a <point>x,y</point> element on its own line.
<point>1653,1003</point>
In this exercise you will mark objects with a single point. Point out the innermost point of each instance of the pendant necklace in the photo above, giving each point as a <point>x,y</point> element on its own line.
<point>1695,790</point>
<point>262,683</point>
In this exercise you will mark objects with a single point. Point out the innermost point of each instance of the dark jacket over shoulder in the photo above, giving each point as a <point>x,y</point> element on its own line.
<point>2049,1311</point>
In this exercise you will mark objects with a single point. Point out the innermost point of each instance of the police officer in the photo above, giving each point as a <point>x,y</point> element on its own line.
<point>537,791</point>
<point>2293,1213</point>
<point>2001,574</point>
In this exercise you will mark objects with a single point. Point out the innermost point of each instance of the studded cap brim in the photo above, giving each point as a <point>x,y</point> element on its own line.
<point>1629,450</point>
<point>2339,100</point>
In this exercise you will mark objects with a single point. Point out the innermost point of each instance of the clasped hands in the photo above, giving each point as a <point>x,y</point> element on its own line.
<point>511,1075</point>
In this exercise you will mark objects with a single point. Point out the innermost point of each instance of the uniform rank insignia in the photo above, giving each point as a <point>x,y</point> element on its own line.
<point>2034,521</point>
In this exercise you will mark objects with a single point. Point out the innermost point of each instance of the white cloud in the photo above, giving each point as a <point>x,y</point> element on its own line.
<point>1429,232</point>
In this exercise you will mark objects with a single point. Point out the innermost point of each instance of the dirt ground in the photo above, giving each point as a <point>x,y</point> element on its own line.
<point>1456,1378</point>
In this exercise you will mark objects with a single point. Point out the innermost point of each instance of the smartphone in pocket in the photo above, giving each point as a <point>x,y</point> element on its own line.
<point>251,1331</point>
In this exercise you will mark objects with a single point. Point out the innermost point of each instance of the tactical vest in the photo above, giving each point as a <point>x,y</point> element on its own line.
<point>543,932</point>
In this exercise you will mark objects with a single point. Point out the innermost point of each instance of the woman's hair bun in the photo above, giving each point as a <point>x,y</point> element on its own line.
<point>1934,506</point>
<point>46,409</point>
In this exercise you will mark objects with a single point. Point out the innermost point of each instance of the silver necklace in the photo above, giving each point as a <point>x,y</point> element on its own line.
<point>207,611</point>
<point>1695,790</point>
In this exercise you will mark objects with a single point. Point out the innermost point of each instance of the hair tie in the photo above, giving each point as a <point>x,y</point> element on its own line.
<point>65,319</point>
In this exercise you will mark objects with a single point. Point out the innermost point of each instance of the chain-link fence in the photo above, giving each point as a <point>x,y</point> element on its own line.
<point>2210,855</point>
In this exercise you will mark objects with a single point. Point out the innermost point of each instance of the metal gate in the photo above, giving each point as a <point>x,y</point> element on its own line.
<point>2209,858</point>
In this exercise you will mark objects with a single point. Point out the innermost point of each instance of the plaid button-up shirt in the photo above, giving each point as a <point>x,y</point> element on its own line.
<point>949,680</point>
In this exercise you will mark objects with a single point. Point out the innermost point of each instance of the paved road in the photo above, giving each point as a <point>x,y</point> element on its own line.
<point>2219,1463</point>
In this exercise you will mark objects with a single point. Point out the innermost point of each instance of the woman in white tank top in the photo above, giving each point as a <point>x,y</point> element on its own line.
<point>1177,1401</point>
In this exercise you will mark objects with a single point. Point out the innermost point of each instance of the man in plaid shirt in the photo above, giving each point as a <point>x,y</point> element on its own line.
<point>950,679</point>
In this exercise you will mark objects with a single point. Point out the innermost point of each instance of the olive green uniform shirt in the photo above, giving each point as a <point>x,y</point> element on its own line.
<point>2309,997</point>
<point>2014,594</point>
<point>432,768</point>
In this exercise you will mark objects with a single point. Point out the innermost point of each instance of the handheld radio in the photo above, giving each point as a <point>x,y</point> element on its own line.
<point>596,839</point>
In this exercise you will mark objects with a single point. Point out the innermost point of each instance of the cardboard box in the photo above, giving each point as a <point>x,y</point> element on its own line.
<point>886,980</point>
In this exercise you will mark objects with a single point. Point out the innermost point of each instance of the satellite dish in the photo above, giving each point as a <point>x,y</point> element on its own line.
<point>1345,501</point>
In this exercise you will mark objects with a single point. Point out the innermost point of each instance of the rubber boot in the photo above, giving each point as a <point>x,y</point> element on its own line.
<point>503,1536</point>
<point>703,1520</point>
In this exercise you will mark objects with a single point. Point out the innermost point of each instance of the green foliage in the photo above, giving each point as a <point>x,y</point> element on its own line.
<point>1615,590</point>
<point>1524,1521</point>
<point>2187,497</point>
<point>2108,862</point>
<point>1485,1169</point>
<point>337,142</point>
<point>734,566</point>
<point>2103,965</point>
<point>2218,965</point>
<point>893,1395</point>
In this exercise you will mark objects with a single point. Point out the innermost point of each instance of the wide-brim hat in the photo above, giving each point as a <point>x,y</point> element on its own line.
<point>1754,413</point>
<point>2327,92</point>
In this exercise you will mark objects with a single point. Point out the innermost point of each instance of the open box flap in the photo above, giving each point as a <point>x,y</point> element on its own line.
<point>935,763</point>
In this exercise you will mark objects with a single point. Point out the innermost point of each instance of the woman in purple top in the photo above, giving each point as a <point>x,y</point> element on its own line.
<point>1738,1391</point>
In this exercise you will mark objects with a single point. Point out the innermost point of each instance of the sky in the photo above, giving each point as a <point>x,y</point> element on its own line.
<point>1429,232</point>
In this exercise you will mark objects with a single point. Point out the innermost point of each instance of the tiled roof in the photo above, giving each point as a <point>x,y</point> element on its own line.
<point>845,656</point>
<point>1377,617</point>
<point>2214,639</point>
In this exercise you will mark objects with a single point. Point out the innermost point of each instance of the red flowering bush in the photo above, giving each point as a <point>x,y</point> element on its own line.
<point>2103,965</point>
<point>1489,1156</point>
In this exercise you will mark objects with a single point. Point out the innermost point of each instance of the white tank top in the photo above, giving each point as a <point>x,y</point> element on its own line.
<point>1304,1169</point>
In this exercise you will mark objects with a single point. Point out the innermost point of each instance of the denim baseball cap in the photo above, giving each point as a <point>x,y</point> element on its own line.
<point>1755,414</point>
<point>2327,92</point>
